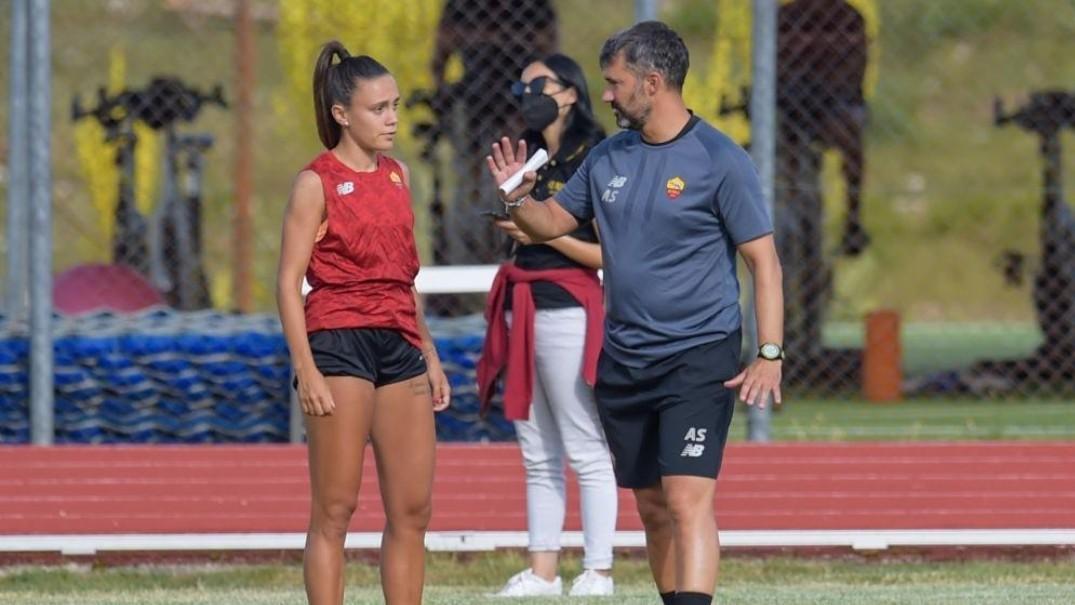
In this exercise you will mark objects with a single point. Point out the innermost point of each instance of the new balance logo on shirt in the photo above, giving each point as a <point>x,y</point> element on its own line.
<point>613,189</point>
<point>345,188</point>
<point>694,439</point>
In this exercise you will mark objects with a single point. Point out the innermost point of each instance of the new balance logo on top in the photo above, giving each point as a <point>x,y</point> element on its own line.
<point>345,188</point>
<point>613,189</point>
<point>692,450</point>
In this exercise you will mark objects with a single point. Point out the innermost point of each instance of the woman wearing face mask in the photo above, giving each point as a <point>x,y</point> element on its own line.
<point>548,297</point>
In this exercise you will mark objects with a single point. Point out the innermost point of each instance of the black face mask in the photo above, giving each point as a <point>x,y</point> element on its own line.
<point>539,110</point>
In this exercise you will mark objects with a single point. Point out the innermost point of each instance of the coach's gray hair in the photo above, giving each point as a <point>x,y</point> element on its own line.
<point>650,46</point>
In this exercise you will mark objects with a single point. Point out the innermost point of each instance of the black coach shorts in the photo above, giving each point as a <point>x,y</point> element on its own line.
<point>670,417</point>
<point>378,355</point>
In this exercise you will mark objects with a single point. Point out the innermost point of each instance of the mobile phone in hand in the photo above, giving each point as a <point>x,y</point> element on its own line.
<point>496,216</point>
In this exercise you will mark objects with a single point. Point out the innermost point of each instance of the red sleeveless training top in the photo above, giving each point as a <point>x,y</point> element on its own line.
<point>363,269</point>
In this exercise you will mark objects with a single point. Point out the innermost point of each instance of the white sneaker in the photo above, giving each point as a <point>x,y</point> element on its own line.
<point>592,584</point>
<point>526,584</point>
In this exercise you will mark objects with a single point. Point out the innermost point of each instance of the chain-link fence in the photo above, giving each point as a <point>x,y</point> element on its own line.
<point>145,125</point>
<point>918,170</point>
<point>918,158</point>
<point>147,161</point>
<point>480,49</point>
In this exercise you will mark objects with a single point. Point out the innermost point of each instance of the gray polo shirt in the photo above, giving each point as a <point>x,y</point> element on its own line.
<point>669,218</point>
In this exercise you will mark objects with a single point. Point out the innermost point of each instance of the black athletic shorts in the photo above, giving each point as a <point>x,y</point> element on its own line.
<point>378,355</point>
<point>670,417</point>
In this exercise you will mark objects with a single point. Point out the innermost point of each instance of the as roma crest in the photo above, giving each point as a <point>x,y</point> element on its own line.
<point>395,178</point>
<point>674,187</point>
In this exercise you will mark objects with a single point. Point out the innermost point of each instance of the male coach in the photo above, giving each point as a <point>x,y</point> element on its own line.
<point>674,200</point>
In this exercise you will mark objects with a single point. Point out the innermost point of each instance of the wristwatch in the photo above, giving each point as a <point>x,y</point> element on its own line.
<point>771,351</point>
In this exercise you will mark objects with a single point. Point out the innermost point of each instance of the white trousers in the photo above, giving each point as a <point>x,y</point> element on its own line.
<point>564,426</point>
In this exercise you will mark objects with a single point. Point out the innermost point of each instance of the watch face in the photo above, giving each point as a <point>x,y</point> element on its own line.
<point>770,351</point>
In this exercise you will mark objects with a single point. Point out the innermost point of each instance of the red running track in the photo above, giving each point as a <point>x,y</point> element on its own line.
<point>211,489</point>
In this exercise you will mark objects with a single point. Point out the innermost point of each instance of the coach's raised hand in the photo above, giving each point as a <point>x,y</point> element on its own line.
<point>506,161</point>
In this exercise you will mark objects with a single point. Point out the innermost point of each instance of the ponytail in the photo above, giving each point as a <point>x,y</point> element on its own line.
<point>334,83</point>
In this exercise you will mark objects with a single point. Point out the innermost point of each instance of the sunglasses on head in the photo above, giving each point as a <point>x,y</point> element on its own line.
<point>533,87</point>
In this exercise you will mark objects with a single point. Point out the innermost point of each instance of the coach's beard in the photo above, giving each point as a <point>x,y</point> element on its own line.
<point>626,120</point>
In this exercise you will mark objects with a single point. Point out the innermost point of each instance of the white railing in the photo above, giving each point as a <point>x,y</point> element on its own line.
<point>448,279</point>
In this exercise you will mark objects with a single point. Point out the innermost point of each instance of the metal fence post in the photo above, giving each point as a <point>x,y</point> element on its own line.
<point>762,150</point>
<point>18,192</point>
<point>296,426</point>
<point>243,220</point>
<point>42,429</point>
<point>645,10</point>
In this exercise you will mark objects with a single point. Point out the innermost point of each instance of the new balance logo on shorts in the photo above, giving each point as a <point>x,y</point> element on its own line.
<point>693,450</point>
<point>694,439</point>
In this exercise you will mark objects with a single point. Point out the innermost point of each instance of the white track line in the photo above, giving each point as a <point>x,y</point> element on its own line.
<point>90,544</point>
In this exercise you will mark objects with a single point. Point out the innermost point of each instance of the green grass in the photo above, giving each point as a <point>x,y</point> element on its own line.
<point>467,579</point>
<point>936,346</point>
<point>921,420</point>
<point>927,348</point>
